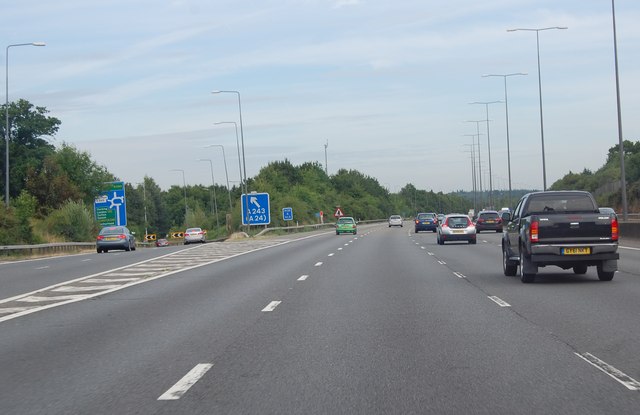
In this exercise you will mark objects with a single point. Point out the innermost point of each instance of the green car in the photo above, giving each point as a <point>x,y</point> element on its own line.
<point>346,224</point>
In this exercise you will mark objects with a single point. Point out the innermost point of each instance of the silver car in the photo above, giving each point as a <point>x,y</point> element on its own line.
<point>115,237</point>
<point>395,220</point>
<point>456,227</point>
<point>194,235</point>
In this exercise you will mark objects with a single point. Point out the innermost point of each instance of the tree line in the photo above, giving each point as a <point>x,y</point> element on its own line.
<point>52,191</point>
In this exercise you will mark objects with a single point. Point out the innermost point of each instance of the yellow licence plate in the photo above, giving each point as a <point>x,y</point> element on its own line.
<point>577,251</point>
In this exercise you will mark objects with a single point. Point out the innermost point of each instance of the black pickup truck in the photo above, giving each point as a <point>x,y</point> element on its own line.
<point>561,228</point>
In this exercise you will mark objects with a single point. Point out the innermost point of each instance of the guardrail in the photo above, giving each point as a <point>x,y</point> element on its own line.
<point>27,250</point>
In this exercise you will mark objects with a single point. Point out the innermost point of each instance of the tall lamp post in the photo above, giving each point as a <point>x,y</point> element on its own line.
<point>237,146</point>
<point>6,113</point>
<point>326,163</point>
<point>479,160</point>
<point>226,173</point>
<point>184,185</point>
<point>623,179</point>
<point>506,111</point>
<point>544,166</point>
<point>244,164</point>
<point>473,169</point>
<point>214,200</point>
<point>486,104</point>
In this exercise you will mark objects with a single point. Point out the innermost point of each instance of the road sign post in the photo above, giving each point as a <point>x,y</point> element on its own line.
<point>255,209</point>
<point>287,213</point>
<point>110,206</point>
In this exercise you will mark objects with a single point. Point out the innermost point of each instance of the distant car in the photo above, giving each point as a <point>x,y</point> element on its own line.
<point>194,235</point>
<point>426,222</point>
<point>489,220</point>
<point>162,242</point>
<point>456,227</point>
<point>395,220</point>
<point>441,217</point>
<point>346,224</point>
<point>608,211</point>
<point>115,237</point>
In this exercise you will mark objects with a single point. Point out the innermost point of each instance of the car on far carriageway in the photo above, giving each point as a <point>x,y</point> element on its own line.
<point>115,237</point>
<point>346,224</point>
<point>456,227</point>
<point>395,220</point>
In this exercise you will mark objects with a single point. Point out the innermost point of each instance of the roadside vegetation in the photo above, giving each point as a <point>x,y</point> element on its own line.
<point>52,190</point>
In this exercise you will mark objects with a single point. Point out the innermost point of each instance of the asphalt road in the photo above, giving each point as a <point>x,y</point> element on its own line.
<point>384,322</point>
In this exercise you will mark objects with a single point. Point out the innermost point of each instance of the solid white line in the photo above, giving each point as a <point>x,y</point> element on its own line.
<point>499,301</point>
<point>318,264</point>
<point>102,280</point>
<point>303,277</point>
<point>73,288</point>
<point>459,275</point>
<point>13,310</point>
<point>183,385</point>
<point>628,247</point>
<point>272,306</point>
<point>37,299</point>
<point>619,376</point>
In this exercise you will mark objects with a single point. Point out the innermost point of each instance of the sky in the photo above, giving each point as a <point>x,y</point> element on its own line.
<point>388,85</point>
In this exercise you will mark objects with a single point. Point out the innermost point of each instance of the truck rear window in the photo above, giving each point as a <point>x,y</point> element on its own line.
<point>562,203</point>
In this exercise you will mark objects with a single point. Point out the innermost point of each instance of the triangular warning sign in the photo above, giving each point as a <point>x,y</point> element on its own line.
<point>338,213</point>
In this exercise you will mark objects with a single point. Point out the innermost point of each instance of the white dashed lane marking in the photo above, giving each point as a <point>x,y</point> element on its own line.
<point>499,301</point>
<point>184,384</point>
<point>317,264</point>
<point>303,277</point>
<point>272,306</point>
<point>629,382</point>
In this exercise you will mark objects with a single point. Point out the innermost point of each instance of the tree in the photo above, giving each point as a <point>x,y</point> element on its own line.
<point>28,125</point>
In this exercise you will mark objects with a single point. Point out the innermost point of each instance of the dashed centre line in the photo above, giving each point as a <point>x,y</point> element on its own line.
<point>303,277</point>
<point>184,384</point>
<point>331,254</point>
<point>459,275</point>
<point>499,301</point>
<point>271,306</point>
<point>317,264</point>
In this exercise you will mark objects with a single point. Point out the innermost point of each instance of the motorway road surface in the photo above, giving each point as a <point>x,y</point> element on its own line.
<point>384,322</point>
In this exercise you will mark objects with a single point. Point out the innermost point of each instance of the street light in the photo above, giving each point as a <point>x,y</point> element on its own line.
<point>544,166</point>
<point>184,185</point>
<point>473,169</point>
<point>506,111</point>
<point>623,179</point>
<point>226,173</point>
<point>237,146</point>
<point>326,163</point>
<point>6,113</point>
<point>244,164</point>
<point>214,200</point>
<point>489,148</point>
<point>479,159</point>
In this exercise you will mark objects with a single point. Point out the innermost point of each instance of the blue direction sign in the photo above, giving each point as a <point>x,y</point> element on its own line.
<point>110,207</point>
<point>255,209</point>
<point>287,213</point>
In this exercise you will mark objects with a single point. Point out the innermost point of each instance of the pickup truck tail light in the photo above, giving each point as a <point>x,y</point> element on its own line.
<point>533,231</point>
<point>614,229</point>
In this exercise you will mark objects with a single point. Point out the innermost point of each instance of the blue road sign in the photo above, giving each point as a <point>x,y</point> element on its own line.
<point>287,213</point>
<point>255,209</point>
<point>110,207</point>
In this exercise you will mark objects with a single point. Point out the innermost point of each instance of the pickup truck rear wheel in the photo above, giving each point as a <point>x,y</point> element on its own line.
<point>604,275</point>
<point>580,269</point>
<point>510,268</point>
<point>524,263</point>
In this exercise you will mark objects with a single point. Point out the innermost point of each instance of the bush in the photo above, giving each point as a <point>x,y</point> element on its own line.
<point>73,222</point>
